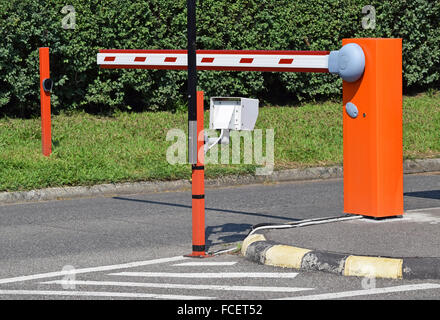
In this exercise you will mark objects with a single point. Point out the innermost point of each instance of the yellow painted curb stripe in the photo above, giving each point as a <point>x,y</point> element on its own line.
<point>373,267</point>
<point>252,238</point>
<point>285,256</point>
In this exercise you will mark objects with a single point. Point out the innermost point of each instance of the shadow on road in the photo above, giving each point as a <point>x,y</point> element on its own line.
<point>431,194</point>
<point>256,214</point>
<point>226,233</point>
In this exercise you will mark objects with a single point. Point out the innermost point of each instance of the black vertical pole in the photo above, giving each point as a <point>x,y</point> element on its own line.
<point>192,83</point>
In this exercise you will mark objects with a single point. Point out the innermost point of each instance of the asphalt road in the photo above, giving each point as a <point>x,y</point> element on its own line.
<point>108,233</point>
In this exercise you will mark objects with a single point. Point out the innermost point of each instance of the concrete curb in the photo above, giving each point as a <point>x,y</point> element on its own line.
<point>315,173</point>
<point>258,249</point>
<point>165,186</point>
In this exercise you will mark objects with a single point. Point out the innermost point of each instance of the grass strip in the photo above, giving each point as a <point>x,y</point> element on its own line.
<point>90,149</point>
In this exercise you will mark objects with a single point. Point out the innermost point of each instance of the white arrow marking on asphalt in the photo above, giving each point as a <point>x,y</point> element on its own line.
<point>101,294</point>
<point>213,275</point>
<point>177,286</point>
<point>205,264</point>
<point>92,269</point>
<point>347,294</point>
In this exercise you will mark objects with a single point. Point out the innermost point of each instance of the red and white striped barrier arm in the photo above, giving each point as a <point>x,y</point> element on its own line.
<point>238,60</point>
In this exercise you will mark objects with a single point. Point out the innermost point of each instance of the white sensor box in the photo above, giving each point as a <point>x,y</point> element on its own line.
<point>233,113</point>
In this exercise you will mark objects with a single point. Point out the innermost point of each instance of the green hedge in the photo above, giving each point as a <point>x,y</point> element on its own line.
<point>26,25</point>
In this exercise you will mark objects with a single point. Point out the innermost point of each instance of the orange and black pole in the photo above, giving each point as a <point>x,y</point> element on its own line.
<point>45,89</point>
<point>198,187</point>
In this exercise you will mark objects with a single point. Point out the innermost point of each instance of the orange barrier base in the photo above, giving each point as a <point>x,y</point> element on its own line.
<point>373,156</point>
<point>198,255</point>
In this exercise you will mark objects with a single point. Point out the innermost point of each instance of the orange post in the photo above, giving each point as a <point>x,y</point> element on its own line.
<point>198,187</point>
<point>373,169</point>
<point>46,135</point>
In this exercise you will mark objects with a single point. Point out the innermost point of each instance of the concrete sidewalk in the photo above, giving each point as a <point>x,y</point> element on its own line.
<point>401,247</point>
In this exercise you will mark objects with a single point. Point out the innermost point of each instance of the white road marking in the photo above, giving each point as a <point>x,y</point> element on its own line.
<point>426,215</point>
<point>92,269</point>
<point>205,264</point>
<point>423,217</point>
<point>101,294</point>
<point>209,275</point>
<point>347,294</point>
<point>178,286</point>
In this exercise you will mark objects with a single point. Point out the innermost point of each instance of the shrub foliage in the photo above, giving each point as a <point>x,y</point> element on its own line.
<point>26,25</point>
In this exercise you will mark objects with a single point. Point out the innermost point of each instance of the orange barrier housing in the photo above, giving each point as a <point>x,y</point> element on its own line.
<point>373,169</point>
<point>46,134</point>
